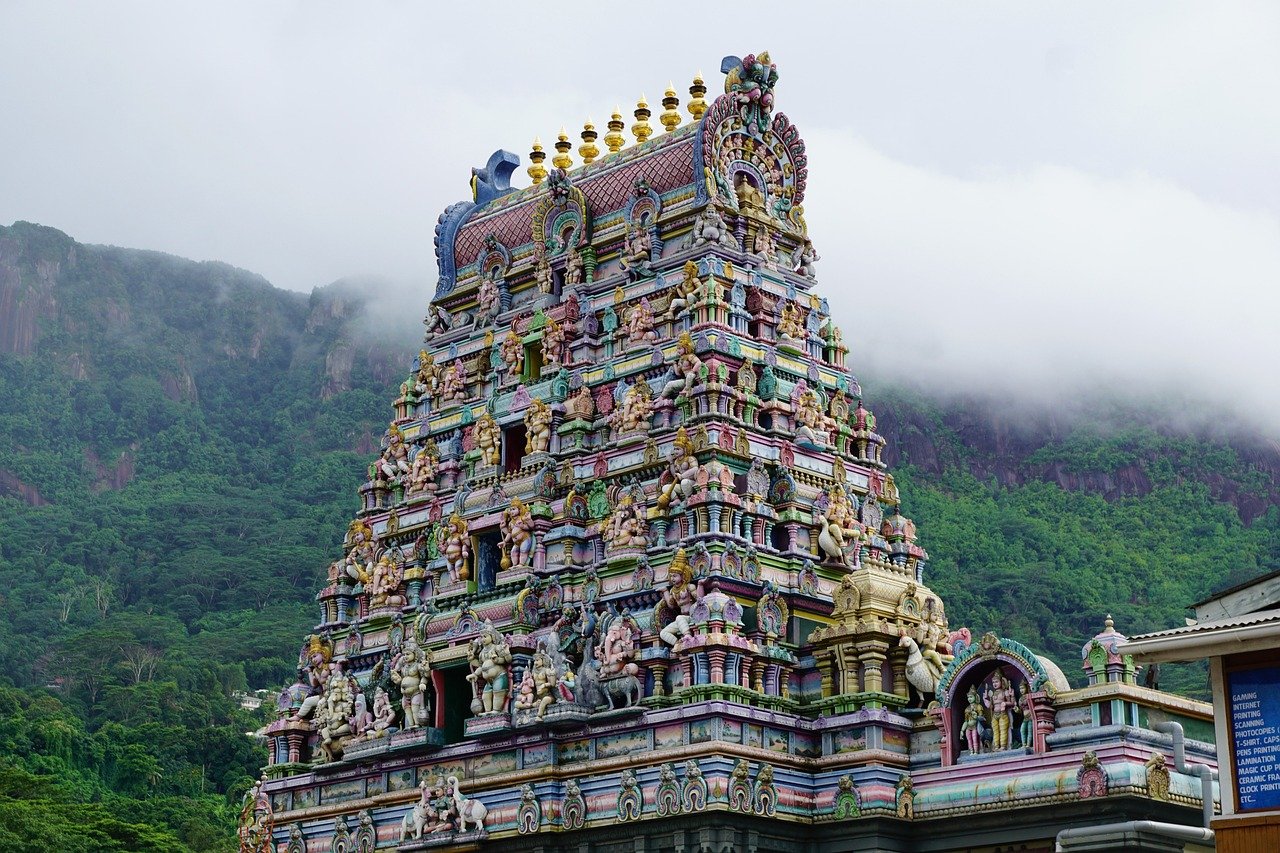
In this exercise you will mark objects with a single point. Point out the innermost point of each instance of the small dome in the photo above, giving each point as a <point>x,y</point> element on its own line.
<point>1109,638</point>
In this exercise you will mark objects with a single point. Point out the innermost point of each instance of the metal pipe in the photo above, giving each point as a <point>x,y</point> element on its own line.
<point>1207,775</point>
<point>1175,831</point>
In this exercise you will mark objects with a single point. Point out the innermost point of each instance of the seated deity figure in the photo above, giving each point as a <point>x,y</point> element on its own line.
<point>455,544</point>
<point>489,299</point>
<point>811,423</point>
<point>618,648</point>
<point>637,251</point>
<point>512,353</point>
<point>384,714</point>
<point>805,258</point>
<point>709,227</point>
<point>427,377</point>
<point>453,384</point>
<point>764,245</point>
<point>361,717</point>
<point>422,475</point>
<point>634,412</point>
<point>384,584</point>
<point>685,294</point>
<point>537,425</point>
<point>687,368</point>
<point>626,527</point>
<point>333,718</point>
<point>681,476</point>
<point>678,600</point>
<point>490,659</point>
<point>395,457</point>
<point>488,439</point>
<point>411,670</point>
<point>637,328</point>
<point>517,535</point>
<point>544,276</point>
<point>553,345</point>
<point>791,323</point>
<point>839,527</point>
<point>572,267</point>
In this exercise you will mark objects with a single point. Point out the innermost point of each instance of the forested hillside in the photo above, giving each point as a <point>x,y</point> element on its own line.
<point>180,445</point>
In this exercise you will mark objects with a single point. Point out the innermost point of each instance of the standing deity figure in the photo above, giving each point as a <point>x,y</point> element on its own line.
<point>1002,702</point>
<point>805,258</point>
<point>572,266</point>
<point>361,717</point>
<point>685,294</point>
<point>313,675</point>
<point>634,412</point>
<point>358,563</point>
<point>517,535</point>
<point>489,298</point>
<point>811,423</point>
<point>687,368</point>
<point>545,674</point>
<point>488,439</point>
<point>427,377</point>
<point>1027,731</point>
<point>678,599</point>
<point>422,475</point>
<point>709,227</point>
<point>453,383</point>
<point>333,717</point>
<point>553,344</point>
<point>839,525</point>
<point>681,476</point>
<point>384,584</point>
<point>411,670</point>
<point>490,660</point>
<point>626,527</point>
<point>764,246</point>
<point>512,352</point>
<point>395,457</point>
<point>455,544</point>
<point>791,323</point>
<point>384,714</point>
<point>637,251</point>
<point>974,718</point>
<point>537,425</point>
<point>638,329</point>
<point>545,278</point>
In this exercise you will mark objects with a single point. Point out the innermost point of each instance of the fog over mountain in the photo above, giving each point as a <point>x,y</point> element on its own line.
<point>1051,200</point>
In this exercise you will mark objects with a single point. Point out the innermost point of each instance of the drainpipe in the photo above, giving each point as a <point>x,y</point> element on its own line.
<point>1207,775</point>
<point>1112,833</point>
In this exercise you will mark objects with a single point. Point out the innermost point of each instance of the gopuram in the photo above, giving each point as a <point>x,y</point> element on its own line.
<point>629,572</point>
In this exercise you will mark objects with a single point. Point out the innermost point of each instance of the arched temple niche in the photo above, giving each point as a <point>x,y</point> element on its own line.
<point>996,696</point>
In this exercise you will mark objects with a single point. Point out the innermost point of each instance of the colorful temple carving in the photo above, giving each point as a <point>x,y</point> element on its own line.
<point>630,555</point>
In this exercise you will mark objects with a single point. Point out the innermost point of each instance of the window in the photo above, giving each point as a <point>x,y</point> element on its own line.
<point>488,549</point>
<point>513,439</point>
<point>533,361</point>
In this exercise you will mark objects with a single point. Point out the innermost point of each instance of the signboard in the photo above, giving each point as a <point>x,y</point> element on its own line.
<point>1254,696</point>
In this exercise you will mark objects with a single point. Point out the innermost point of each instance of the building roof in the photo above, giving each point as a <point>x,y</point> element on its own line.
<point>1212,638</point>
<point>1248,597</point>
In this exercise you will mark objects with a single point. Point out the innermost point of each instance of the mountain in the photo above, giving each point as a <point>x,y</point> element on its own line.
<point>180,445</point>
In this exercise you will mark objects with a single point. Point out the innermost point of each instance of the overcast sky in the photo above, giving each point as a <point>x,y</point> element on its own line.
<point>1045,196</point>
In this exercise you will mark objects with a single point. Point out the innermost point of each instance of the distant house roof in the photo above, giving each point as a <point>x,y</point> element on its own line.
<point>1229,635</point>
<point>1223,593</point>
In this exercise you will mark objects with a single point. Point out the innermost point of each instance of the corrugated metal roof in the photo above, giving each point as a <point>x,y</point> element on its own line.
<point>1245,621</point>
<point>1223,593</point>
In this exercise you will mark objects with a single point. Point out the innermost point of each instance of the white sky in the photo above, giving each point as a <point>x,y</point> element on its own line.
<point>1044,196</point>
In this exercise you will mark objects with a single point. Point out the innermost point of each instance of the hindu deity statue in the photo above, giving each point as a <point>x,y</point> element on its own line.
<point>1002,702</point>
<point>678,599</point>
<point>1026,732</point>
<point>517,535</point>
<point>553,344</point>
<point>455,544</point>
<point>681,476</point>
<point>453,383</point>
<point>357,565</point>
<point>545,278</point>
<point>572,266</point>
<point>488,439</point>
<point>626,527</point>
<point>791,323</point>
<point>427,377</point>
<point>637,328</point>
<point>635,410</point>
<point>618,648</point>
<point>537,425</point>
<point>805,258</point>
<point>411,670</point>
<point>490,660</point>
<point>764,246</point>
<point>361,718</point>
<point>974,719</point>
<point>840,528</point>
<point>422,474</point>
<point>545,672</point>
<point>489,299</point>
<point>709,227</point>
<point>573,630</point>
<point>384,714</point>
<point>684,295</point>
<point>687,368</point>
<point>811,423</point>
<point>512,353</point>
<point>384,584</point>
<point>333,716</point>
<point>395,457</point>
<point>637,251</point>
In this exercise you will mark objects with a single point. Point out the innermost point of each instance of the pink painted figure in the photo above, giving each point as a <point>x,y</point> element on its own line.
<point>972,726</point>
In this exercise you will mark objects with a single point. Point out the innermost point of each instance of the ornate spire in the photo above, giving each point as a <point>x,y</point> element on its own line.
<point>537,171</point>
<point>641,129</point>
<point>562,160</point>
<point>697,104</point>
<point>588,149</point>
<point>614,138</point>
<point>670,117</point>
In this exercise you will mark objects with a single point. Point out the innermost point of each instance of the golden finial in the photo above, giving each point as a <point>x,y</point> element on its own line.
<point>537,171</point>
<point>697,104</point>
<point>562,160</point>
<point>670,117</point>
<point>614,138</point>
<point>588,149</point>
<point>641,129</point>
